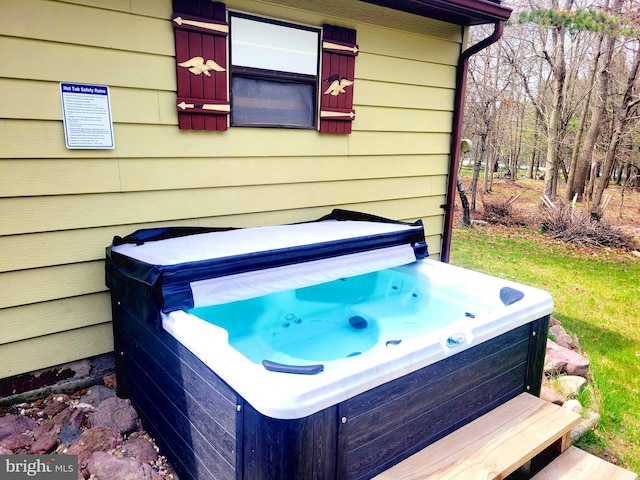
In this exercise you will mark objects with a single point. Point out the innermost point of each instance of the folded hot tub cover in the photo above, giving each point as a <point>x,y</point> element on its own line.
<point>169,264</point>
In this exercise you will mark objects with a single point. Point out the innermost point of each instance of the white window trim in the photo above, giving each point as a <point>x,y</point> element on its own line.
<point>291,53</point>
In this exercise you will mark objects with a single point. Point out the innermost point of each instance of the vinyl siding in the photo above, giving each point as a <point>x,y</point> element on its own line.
<point>60,208</point>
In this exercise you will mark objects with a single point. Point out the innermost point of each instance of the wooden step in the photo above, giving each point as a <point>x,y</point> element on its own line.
<point>492,446</point>
<point>578,464</point>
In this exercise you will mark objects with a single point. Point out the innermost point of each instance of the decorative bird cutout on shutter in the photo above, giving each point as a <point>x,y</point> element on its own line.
<point>197,65</point>
<point>337,85</point>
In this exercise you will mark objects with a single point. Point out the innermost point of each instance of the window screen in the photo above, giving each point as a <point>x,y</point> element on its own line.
<point>274,73</point>
<point>257,101</point>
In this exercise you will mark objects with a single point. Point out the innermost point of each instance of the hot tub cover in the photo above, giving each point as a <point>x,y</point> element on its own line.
<point>179,268</point>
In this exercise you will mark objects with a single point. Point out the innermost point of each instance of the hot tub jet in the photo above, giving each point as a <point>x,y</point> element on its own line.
<point>358,322</point>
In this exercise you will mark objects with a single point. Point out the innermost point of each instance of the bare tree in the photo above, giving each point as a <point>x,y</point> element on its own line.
<point>549,86</point>
<point>586,153</point>
<point>559,68</point>
<point>630,102</point>
<point>535,150</point>
<point>569,192</point>
<point>552,29</point>
<point>487,83</point>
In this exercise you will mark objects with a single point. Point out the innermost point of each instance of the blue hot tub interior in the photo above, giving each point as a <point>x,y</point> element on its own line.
<point>338,319</point>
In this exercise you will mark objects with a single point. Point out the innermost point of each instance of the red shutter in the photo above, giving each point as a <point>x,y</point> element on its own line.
<point>339,51</point>
<point>201,31</point>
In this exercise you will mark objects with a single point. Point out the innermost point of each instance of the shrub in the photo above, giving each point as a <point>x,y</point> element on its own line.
<point>501,212</point>
<point>589,229</point>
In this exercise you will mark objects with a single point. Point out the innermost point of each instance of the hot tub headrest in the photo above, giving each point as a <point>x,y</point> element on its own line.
<point>167,262</point>
<point>509,295</point>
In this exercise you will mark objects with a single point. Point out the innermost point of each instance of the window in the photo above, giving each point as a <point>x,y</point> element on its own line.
<point>274,73</point>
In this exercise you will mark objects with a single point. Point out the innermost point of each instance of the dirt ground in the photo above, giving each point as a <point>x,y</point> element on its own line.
<point>622,210</point>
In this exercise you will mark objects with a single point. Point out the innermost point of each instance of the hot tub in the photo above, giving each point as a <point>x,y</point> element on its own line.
<point>331,349</point>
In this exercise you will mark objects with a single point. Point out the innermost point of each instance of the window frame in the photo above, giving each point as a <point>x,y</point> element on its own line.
<point>255,73</point>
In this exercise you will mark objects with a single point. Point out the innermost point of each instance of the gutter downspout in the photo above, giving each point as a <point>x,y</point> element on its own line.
<point>458,117</point>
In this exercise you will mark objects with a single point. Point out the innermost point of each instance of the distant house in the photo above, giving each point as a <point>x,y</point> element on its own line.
<point>237,114</point>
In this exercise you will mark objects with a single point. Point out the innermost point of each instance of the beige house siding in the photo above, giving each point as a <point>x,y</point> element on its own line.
<point>59,208</point>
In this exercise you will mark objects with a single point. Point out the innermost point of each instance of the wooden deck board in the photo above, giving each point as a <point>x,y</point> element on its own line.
<point>492,446</point>
<point>578,464</point>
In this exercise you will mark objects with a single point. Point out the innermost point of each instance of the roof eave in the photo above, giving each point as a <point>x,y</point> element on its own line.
<point>459,12</point>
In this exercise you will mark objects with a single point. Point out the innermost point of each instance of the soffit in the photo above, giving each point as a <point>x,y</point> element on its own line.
<point>460,12</point>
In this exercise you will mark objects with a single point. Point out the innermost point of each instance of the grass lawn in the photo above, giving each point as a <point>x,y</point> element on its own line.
<point>597,297</point>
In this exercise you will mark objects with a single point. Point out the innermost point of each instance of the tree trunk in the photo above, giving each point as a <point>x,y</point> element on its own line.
<point>569,192</point>
<point>534,149</point>
<point>600,101</point>
<point>482,150</point>
<point>619,174</point>
<point>584,158</point>
<point>474,182</point>
<point>466,217</point>
<point>593,173</point>
<point>553,142</point>
<point>488,167</point>
<point>517,143</point>
<point>628,104</point>
<point>565,174</point>
<point>532,162</point>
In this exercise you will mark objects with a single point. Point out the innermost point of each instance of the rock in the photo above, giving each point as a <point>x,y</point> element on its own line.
<point>116,413</point>
<point>110,381</point>
<point>562,338</point>
<point>551,396</point>
<point>94,440</point>
<point>69,434</point>
<point>96,395</point>
<point>140,448</point>
<point>84,407</point>
<point>556,330</point>
<point>553,366</point>
<point>560,359</point>
<point>137,458</point>
<point>16,441</point>
<point>587,424</point>
<point>573,405</point>
<point>565,340</point>
<point>69,416</point>
<point>46,437</point>
<point>11,424</point>
<point>60,397</point>
<point>102,465</point>
<point>571,385</point>
<point>53,408</point>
